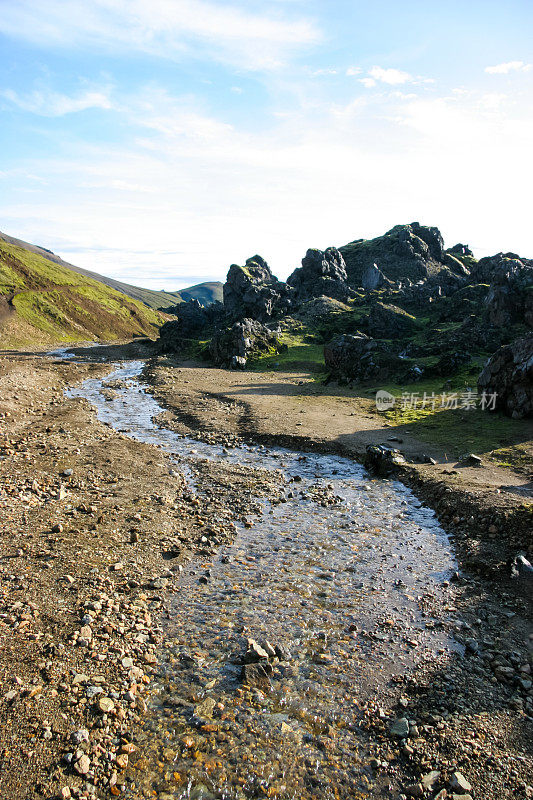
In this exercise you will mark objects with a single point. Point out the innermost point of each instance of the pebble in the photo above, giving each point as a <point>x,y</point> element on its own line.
<point>459,783</point>
<point>83,764</point>
<point>400,728</point>
<point>106,705</point>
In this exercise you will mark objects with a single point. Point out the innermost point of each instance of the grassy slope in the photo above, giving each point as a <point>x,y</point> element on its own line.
<point>205,292</point>
<point>43,302</point>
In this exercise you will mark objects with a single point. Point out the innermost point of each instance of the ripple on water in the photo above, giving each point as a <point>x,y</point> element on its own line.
<point>338,588</point>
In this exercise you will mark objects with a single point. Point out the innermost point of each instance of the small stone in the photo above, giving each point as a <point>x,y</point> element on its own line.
<point>414,790</point>
<point>269,649</point>
<point>459,783</point>
<point>86,633</point>
<point>127,663</point>
<point>430,779</point>
<point>204,710</point>
<point>106,705</point>
<point>255,676</point>
<point>67,472</point>
<point>82,765</point>
<point>77,737</point>
<point>117,566</point>
<point>255,652</point>
<point>122,760</point>
<point>64,793</point>
<point>400,728</point>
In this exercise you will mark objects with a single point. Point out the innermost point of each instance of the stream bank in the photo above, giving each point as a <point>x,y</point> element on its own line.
<point>469,711</point>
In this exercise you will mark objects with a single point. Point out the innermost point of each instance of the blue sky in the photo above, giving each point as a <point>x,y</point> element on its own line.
<point>159,141</point>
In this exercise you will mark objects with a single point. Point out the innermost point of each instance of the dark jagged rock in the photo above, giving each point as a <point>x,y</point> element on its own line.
<point>382,460</point>
<point>233,346</point>
<point>357,357</point>
<point>509,374</point>
<point>254,292</point>
<point>449,363</point>
<point>406,252</point>
<point>500,267</point>
<point>464,302</point>
<point>321,273</point>
<point>390,322</point>
<point>460,250</point>
<point>192,319</point>
<point>509,299</point>
<point>373,278</point>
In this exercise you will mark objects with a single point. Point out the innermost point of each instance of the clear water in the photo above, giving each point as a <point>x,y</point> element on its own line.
<point>343,586</point>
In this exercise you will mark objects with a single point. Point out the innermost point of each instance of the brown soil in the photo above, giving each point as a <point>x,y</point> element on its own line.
<point>123,518</point>
<point>488,508</point>
<point>109,539</point>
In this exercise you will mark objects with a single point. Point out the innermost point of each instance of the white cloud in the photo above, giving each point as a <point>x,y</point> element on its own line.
<point>166,28</point>
<point>326,71</point>
<point>367,82</point>
<point>394,77</point>
<point>351,71</point>
<point>507,67</point>
<point>320,174</point>
<point>47,103</point>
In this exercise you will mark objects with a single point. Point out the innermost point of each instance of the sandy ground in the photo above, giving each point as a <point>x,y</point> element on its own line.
<point>85,574</point>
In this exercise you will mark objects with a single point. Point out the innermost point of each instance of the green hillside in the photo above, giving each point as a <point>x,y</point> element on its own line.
<point>42,302</point>
<point>206,293</point>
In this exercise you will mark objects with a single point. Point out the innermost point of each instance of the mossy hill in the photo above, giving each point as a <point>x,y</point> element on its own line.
<point>209,292</point>
<point>42,303</point>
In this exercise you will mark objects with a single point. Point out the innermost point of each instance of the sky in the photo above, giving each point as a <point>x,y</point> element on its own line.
<point>160,141</point>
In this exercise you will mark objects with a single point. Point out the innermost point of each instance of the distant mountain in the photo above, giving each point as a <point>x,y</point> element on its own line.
<point>43,301</point>
<point>205,293</point>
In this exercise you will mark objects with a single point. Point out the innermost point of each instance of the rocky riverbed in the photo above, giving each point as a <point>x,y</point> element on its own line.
<point>187,620</point>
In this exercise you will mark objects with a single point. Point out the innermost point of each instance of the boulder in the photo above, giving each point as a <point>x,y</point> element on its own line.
<point>460,250</point>
<point>192,320</point>
<point>509,374</point>
<point>357,357</point>
<point>254,292</point>
<point>390,322</point>
<point>373,278</point>
<point>231,347</point>
<point>501,268</point>
<point>383,461</point>
<point>323,272</point>
<point>411,252</point>
<point>320,308</point>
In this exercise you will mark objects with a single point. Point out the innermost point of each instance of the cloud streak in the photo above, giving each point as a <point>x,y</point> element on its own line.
<point>165,28</point>
<point>507,67</point>
<point>223,192</point>
<point>47,103</point>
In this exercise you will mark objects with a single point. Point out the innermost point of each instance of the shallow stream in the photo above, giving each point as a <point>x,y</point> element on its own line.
<point>342,578</point>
